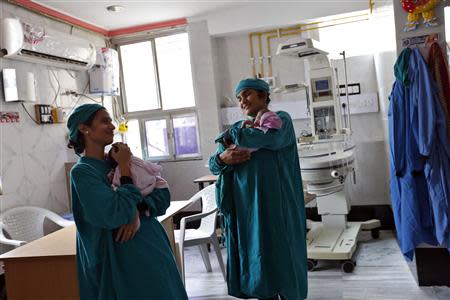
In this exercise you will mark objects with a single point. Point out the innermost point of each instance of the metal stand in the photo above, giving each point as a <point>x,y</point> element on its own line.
<point>334,238</point>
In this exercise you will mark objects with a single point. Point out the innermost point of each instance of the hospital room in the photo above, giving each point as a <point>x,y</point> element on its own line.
<point>219,150</point>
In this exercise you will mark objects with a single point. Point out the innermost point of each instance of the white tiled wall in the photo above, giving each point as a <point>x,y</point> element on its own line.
<point>32,156</point>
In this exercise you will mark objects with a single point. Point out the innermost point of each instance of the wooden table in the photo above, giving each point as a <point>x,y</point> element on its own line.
<point>166,221</point>
<point>210,179</point>
<point>46,268</point>
<point>43,269</point>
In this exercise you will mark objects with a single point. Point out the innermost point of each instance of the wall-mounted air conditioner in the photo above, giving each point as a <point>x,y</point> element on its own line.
<point>37,44</point>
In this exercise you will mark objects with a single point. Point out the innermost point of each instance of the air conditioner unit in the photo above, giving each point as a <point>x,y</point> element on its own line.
<point>104,75</point>
<point>37,44</point>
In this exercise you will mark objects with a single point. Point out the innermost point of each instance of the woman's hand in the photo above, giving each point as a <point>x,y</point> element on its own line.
<point>233,156</point>
<point>121,153</point>
<point>128,231</point>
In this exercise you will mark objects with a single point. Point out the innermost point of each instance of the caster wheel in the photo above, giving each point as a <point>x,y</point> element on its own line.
<point>312,263</point>
<point>348,266</point>
<point>375,233</point>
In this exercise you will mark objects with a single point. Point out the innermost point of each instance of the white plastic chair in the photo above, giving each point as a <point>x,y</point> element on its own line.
<point>205,234</point>
<point>26,223</point>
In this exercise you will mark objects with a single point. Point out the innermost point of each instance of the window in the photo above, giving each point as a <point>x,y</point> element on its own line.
<point>447,23</point>
<point>174,66</point>
<point>158,98</point>
<point>139,77</point>
<point>186,136</point>
<point>134,139</point>
<point>157,138</point>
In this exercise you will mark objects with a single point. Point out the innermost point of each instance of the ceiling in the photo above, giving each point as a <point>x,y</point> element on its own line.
<point>140,12</point>
<point>135,12</point>
<point>223,16</point>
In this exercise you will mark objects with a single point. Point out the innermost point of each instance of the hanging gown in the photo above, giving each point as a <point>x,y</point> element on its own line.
<point>419,156</point>
<point>439,70</point>
<point>263,207</point>
<point>142,268</point>
<point>429,126</point>
<point>409,192</point>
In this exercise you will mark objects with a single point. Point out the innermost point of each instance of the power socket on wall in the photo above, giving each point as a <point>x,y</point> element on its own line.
<point>43,113</point>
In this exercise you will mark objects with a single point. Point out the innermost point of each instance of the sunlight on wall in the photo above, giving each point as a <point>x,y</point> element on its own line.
<point>360,38</point>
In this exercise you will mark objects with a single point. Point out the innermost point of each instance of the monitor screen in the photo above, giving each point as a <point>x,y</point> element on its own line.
<point>322,85</point>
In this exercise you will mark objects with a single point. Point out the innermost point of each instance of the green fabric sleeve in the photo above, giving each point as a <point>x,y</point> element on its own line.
<point>158,202</point>
<point>274,139</point>
<point>214,165</point>
<point>102,206</point>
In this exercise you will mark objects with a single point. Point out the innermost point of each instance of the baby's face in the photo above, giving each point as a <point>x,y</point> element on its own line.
<point>110,154</point>
<point>112,161</point>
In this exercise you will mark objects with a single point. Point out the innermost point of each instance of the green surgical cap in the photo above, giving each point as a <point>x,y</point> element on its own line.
<point>252,83</point>
<point>80,115</point>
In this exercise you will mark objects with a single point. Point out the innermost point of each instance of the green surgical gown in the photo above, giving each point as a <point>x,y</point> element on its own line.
<point>263,207</point>
<point>142,268</point>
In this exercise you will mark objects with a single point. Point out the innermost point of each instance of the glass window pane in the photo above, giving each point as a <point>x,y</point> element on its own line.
<point>186,135</point>
<point>174,67</point>
<point>139,76</point>
<point>447,23</point>
<point>133,138</point>
<point>157,142</point>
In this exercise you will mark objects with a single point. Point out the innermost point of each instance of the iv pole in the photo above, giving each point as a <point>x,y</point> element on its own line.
<point>346,90</point>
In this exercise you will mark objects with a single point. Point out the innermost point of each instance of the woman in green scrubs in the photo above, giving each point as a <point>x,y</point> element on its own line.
<point>121,252</point>
<point>261,197</point>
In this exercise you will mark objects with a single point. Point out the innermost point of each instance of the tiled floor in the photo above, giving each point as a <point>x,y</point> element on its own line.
<point>381,273</point>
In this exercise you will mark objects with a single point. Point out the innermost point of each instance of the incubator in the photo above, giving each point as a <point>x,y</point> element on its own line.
<point>327,158</point>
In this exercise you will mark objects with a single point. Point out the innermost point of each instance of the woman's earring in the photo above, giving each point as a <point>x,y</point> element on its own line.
<point>87,132</point>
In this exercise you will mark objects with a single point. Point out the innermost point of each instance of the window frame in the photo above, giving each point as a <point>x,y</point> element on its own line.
<point>171,135</point>
<point>144,138</point>
<point>158,113</point>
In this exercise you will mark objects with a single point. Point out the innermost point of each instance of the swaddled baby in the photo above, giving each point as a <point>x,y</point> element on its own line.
<point>145,174</point>
<point>264,121</point>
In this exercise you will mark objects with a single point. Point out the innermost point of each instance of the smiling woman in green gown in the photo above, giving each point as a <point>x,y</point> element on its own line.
<point>122,251</point>
<point>261,197</point>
